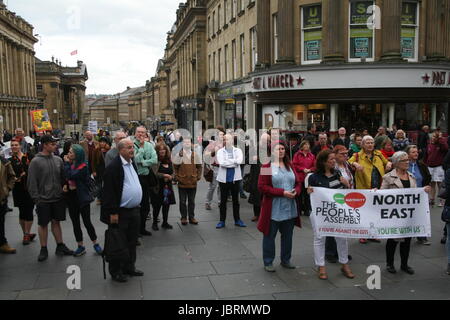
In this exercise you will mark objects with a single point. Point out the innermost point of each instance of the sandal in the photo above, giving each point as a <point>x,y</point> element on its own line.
<point>323,273</point>
<point>347,271</point>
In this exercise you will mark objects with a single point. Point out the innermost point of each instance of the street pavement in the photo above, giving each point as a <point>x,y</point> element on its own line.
<point>202,263</point>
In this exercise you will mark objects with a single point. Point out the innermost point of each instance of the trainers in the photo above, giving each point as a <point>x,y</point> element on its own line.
<point>155,227</point>
<point>80,251</point>
<point>7,249</point>
<point>240,223</point>
<point>32,236</point>
<point>270,268</point>
<point>220,225</point>
<point>166,226</point>
<point>208,207</point>
<point>26,239</point>
<point>424,242</point>
<point>43,255</point>
<point>98,249</point>
<point>62,250</point>
<point>288,265</point>
<point>243,196</point>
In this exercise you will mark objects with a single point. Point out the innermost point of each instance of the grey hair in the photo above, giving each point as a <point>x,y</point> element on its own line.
<point>398,156</point>
<point>123,143</point>
<point>410,147</point>
<point>365,138</point>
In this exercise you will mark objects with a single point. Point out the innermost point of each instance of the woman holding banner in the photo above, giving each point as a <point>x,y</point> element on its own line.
<point>399,178</point>
<point>327,176</point>
<point>279,185</point>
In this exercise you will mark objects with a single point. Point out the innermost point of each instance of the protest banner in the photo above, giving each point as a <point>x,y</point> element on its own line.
<point>41,120</point>
<point>381,214</point>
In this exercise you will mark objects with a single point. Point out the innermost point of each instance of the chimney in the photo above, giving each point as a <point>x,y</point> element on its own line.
<point>80,63</point>
<point>53,59</point>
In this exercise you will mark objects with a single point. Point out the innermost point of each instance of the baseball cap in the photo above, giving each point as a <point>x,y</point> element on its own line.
<point>48,139</point>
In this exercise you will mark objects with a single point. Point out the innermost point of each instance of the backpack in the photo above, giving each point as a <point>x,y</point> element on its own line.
<point>116,246</point>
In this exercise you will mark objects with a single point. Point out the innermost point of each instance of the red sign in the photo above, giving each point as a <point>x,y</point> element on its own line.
<point>355,200</point>
<point>279,81</point>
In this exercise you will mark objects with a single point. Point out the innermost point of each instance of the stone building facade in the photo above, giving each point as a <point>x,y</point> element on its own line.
<point>61,90</point>
<point>18,94</point>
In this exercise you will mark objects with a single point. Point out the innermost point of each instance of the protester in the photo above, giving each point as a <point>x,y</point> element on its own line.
<point>294,144</point>
<point>304,163</point>
<point>342,139</point>
<point>279,185</point>
<point>89,144</point>
<point>262,152</point>
<point>380,137</point>
<point>370,166</point>
<point>66,148</point>
<point>145,157</point>
<point>45,185</point>
<point>229,177</point>
<point>387,149</point>
<point>434,159</point>
<point>78,197</point>
<point>188,171</point>
<point>356,145</point>
<point>20,162</point>
<point>399,177</point>
<point>211,161</point>
<point>423,141</point>
<point>98,165</point>
<point>114,152</point>
<point>163,195</point>
<point>447,204</point>
<point>423,178</point>
<point>327,176</point>
<point>20,137</point>
<point>7,179</point>
<point>322,145</point>
<point>120,206</point>
<point>160,140</point>
<point>400,141</point>
<point>311,136</point>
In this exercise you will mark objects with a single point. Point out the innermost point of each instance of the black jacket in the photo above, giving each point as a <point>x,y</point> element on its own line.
<point>339,141</point>
<point>112,189</point>
<point>426,176</point>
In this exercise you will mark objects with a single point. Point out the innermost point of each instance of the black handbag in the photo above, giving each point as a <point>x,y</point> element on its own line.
<point>94,188</point>
<point>446,214</point>
<point>152,180</point>
<point>116,246</point>
<point>246,184</point>
<point>443,191</point>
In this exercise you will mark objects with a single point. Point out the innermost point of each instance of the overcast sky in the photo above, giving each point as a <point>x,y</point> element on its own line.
<point>120,41</point>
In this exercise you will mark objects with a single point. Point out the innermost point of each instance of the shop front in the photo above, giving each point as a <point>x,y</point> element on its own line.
<point>233,107</point>
<point>188,111</point>
<point>354,96</point>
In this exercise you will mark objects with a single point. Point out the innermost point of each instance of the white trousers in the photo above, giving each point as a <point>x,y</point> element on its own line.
<point>319,248</point>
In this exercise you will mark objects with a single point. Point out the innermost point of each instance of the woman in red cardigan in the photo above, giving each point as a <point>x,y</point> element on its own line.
<point>304,162</point>
<point>279,185</point>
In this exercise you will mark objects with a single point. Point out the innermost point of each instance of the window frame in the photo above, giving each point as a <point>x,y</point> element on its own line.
<point>350,59</point>
<point>417,30</point>
<point>303,29</point>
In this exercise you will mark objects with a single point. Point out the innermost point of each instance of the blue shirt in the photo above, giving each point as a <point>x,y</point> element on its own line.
<point>132,190</point>
<point>415,170</point>
<point>283,208</point>
<point>230,171</point>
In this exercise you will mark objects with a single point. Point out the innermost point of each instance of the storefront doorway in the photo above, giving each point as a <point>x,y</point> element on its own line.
<point>358,117</point>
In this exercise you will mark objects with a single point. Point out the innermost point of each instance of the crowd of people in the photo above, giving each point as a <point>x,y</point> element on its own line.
<point>130,176</point>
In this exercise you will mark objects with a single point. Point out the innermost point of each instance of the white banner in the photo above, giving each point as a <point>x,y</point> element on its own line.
<point>367,214</point>
<point>93,127</point>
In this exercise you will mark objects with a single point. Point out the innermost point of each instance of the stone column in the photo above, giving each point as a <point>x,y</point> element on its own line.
<point>334,121</point>
<point>434,48</point>
<point>2,71</point>
<point>285,32</point>
<point>384,115</point>
<point>263,33</point>
<point>433,109</point>
<point>391,30</point>
<point>333,31</point>
<point>391,114</point>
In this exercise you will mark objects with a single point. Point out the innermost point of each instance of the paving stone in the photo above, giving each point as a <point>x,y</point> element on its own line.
<point>193,288</point>
<point>18,282</point>
<point>325,294</point>
<point>43,294</point>
<point>9,295</point>
<point>216,250</point>
<point>302,279</point>
<point>237,266</point>
<point>261,297</point>
<point>163,270</point>
<point>109,290</point>
<point>246,284</point>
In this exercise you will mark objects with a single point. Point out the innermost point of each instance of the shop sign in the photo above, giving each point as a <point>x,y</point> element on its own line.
<point>408,40</point>
<point>359,12</point>
<point>409,13</point>
<point>312,16</point>
<point>279,81</point>
<point>437,78</point>
<point>230,92</point>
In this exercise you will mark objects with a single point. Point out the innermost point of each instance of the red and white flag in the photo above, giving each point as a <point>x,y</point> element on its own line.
<point>73,53</point>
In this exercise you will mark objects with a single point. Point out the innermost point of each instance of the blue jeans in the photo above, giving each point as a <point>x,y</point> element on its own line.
<point>286,229</point>
<point>448,242</point>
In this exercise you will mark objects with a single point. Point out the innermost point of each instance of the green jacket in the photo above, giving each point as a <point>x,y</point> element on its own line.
<point>144,157</point>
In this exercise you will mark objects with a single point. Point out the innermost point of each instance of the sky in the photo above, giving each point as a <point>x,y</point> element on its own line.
<point>119,41</point>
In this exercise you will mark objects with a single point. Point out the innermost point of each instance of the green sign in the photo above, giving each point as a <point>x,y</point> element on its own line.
<point>408,41</point>
<point>312,50</point>
<point>358,12</point>
<point>312,16</point>
<point>361,47</point>
<point>409,13</point>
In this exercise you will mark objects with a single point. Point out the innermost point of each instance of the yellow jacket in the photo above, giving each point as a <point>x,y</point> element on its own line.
<point>364,178</point>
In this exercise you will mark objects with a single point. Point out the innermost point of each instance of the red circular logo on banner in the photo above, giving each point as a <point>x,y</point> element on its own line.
<point>355,200</point>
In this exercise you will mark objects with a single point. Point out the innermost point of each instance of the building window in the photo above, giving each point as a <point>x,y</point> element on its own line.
<point>210,67</point>
<point>226,63</point>
<point>275,38</point>
<point>242,45</point>
<point>234,58</point>
<point>214,23</point>
<point>225,10</point>
<point>410,30</point>
<point>233,9</point>
<point>362,39</point>
<point>220,64</point>
<point>39,87</point>
<point>209,27</point>
<point>219,21</point>
<point>214,67</point>
<point>312,34</point>
<point>253,44</point>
